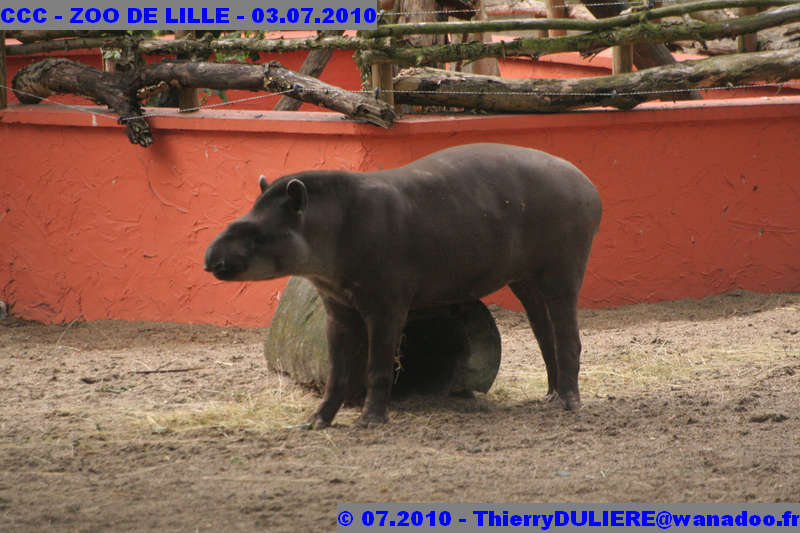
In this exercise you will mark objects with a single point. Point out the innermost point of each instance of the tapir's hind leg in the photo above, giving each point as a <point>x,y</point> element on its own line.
<point>539,317</point>
<point>564,314</point>
<point>555,289</point>
<point>560,284</point>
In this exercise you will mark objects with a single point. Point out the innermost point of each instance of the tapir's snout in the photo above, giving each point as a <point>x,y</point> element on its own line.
<point>219,266</point>
<point>225,264</point>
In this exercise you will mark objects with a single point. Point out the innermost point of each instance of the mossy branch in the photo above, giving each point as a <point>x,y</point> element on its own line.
<point>587,43</point>
<point>435,87</point>
<point>397,30</point>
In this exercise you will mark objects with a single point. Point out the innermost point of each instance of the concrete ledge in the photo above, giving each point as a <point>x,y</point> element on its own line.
<point>312,122</point>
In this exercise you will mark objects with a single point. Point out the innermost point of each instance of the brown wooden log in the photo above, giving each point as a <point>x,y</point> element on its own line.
<point>313,65</point>
<point>199,47</point>
<point>271,77</point>
<point>113,89</point>
<point>188,99</point>
<point>278,78</point>
<point>118,90</point>
<point>426,86</point>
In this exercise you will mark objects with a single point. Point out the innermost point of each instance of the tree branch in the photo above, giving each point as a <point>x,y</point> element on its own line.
<point>585,43</point>
<point>603,24</point>
<point>113,89</point>
<point>29,36</point>
<point>118,90</point>
<point>427,86</point>
<point>313,65</point>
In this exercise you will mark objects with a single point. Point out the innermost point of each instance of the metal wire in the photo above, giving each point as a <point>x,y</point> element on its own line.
<point>82,109</point>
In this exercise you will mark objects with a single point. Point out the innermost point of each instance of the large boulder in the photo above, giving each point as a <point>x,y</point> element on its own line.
<point>451,349</point>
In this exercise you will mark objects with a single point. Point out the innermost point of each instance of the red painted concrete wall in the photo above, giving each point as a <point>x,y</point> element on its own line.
<point>699,198</point>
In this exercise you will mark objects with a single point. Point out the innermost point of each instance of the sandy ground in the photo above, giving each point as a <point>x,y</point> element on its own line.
<point>684,401</point>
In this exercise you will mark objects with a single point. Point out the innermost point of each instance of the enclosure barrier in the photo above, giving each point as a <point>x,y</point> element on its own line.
<point>375,50</point>
<point>694,203</point>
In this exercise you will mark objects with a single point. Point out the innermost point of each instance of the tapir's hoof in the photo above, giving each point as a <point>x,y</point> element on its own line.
<point>367,420</point>
<point>551,397</point>
<point>570,401</point>
<point>315,421</point>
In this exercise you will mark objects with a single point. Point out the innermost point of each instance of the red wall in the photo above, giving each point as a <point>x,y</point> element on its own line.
<point>699,198</point>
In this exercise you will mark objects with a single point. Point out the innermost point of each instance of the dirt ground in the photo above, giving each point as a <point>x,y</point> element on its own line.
<point>694,400</point>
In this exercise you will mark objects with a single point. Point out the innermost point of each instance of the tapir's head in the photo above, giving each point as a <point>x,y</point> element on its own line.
<point>267,242</point>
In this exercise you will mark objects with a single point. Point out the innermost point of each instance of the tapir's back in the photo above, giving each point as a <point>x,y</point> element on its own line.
<point>480,183</point>
<point>490,175</point>
<point>481,215</point>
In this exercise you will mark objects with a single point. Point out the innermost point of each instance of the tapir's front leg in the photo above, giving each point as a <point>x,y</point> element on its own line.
<point>347,340</point>
<point>384,331</point>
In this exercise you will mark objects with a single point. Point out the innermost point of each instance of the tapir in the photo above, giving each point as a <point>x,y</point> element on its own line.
<point>451,227</point>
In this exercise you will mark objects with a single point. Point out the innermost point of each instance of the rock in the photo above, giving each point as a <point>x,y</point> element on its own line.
<point>446,350</point>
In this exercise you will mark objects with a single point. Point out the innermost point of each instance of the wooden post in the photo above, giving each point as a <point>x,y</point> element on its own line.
<point>188,99</point>
<point>3,90</point>
<point>556,9</point>
<point>489,65</point>
<point>382,80</point>
<point>621,59</point>
<point>109,65</point>
<point>749,41</point>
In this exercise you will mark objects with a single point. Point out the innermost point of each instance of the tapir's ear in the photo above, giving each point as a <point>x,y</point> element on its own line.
<point>262,182</point>
<point>298,196</point>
